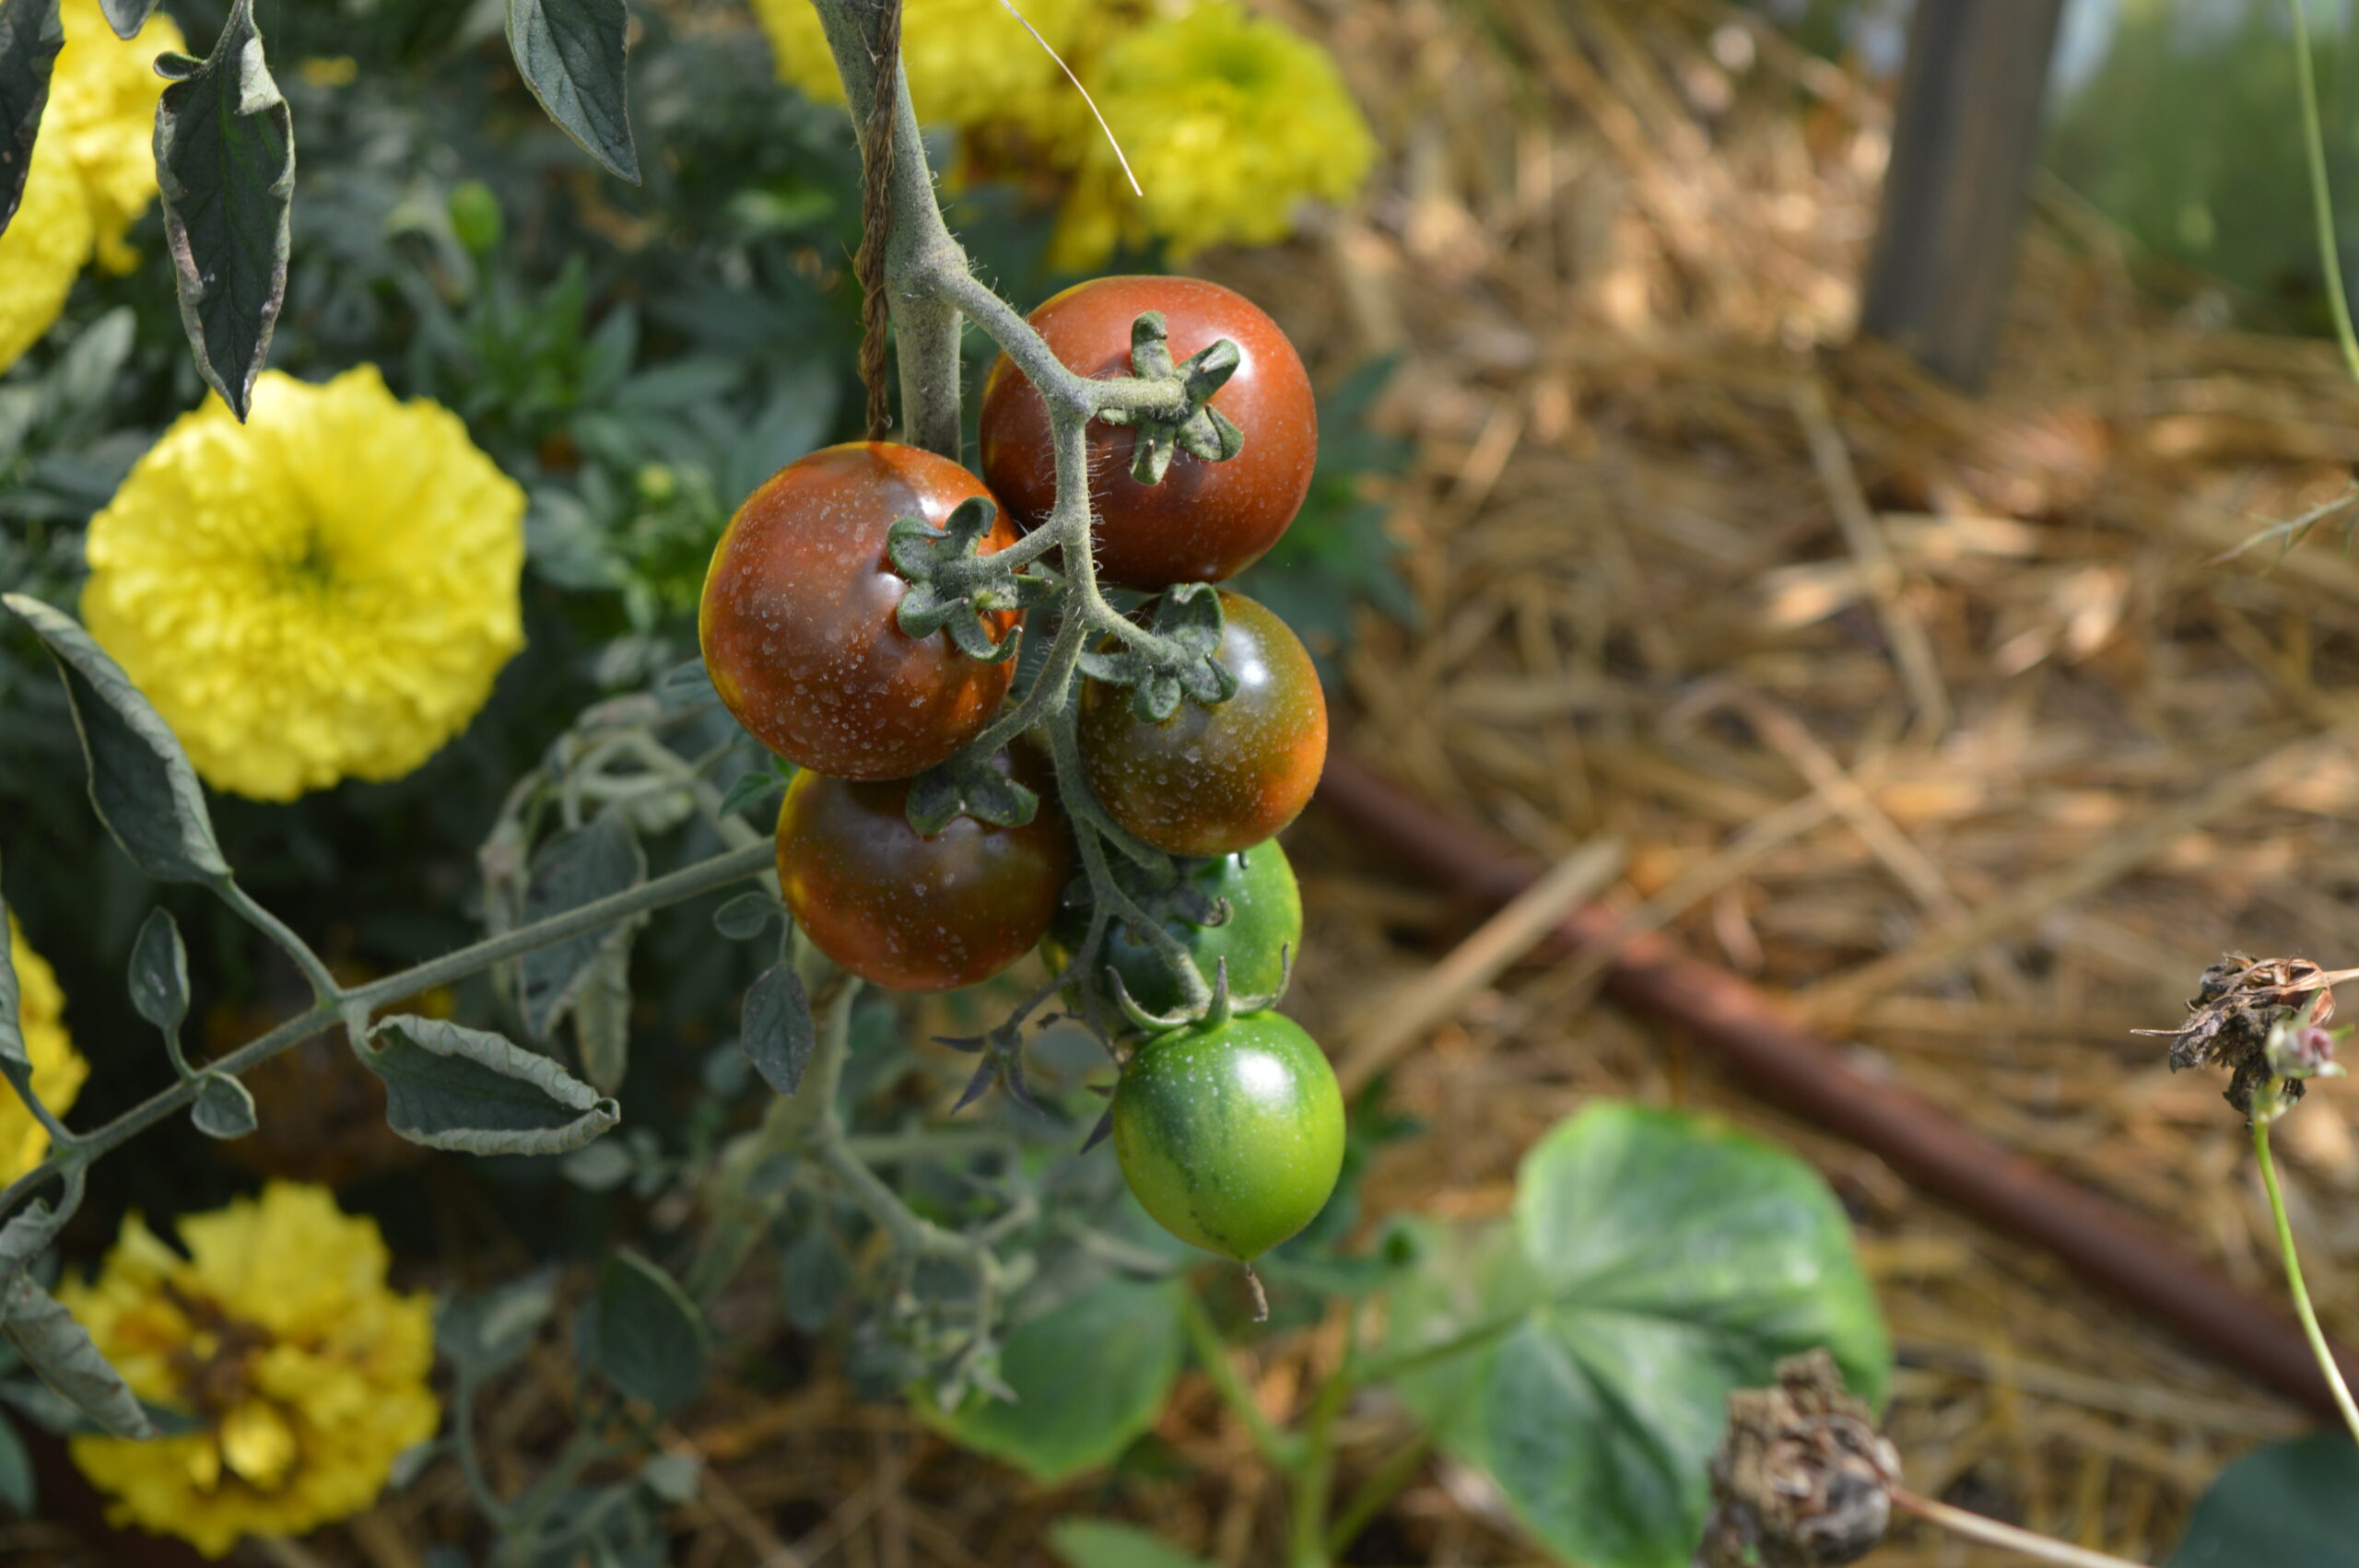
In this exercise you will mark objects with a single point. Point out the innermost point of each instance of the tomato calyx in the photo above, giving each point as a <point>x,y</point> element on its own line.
<point>1223,1006</point>
<point>1002,1050</point>
<point>1175,660</point>
<point>953,586</point>
<point>968,785</point>
<point>1193,426</point>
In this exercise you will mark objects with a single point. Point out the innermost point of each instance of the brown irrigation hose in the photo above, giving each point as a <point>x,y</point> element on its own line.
<point>1794,1069</point>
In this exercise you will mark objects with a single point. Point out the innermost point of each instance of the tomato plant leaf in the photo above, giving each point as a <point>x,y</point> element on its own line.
<point>160,973</point>
<point>777,1030</point>
<point>30,36</point>
<point>61,1349</point>
<point>1094,1543</point>
<point>141,783</point>
<point>127,17</point>
<point>577,866</point>
<point>574,54</point>
<point>450,1087</point>
<point>224,1108</point>
<point>746,916</point>
<point>649,1337</point>
<point>2294,1501</point>
<point>1654,1263</point>
<point>12,1029</point>
<point>488,1332</point>
<point>225,164</point>
<point>16,1471</point>
<point>1090,1375</point>
<point>601,1011</point>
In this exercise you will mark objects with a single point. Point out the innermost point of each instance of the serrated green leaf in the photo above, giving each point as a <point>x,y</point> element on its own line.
<point>578,866</point>
<point>30,36</point>
<point>778,1031</point>
<point>224,1109</point>
<point>450,1087</point>
<point>574,55</point>
<point>141,783</point>
<point>649,1338</point>
<point>1089,1375</point>
<point>2288,1503</point>
<point>127,17</point>
<point>61,1351</point>
<point>1654,1263</point>
<point>225,165</point>
<point>160,973</point>
<point>1095,1543</point>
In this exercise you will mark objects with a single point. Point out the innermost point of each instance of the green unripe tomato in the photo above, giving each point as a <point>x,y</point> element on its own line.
<point>1230,1134</point>
<point>1264,926</point>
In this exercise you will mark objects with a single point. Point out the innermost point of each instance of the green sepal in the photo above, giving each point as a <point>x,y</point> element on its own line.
<point>953,585</point>
<point>1188,620</point>
<point>968,785</point>
<point>1193,426</point>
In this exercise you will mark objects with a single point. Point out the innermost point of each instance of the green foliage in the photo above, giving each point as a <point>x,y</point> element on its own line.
<point>224,1108</point>
<point>30,36</point>
<point>451,1087</point>
<point>1094,1543</point>
<point>649,1338</point>
<point>575,867</point>
<point>2288,1503</point>
<point>1082,1379</point>
<point>1654,1264</point>
<point>59,1349</point>
<point>224,163</point>
<point>571,53</point>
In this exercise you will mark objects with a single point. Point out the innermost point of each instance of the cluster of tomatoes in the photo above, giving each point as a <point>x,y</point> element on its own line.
<point>1228,1124</point>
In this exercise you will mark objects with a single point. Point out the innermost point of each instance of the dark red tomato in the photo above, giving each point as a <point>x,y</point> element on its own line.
<point>1205,521</point>
<point>797,619</point>
<point>1215,780</point>
<point>911,913</point>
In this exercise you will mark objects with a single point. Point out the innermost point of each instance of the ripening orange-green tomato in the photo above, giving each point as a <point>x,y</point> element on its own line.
<point>1205,520</point>
<point>1213,780</point>
<point>1230,1133</point>
<point>915,912</point>
<point>797,621</point>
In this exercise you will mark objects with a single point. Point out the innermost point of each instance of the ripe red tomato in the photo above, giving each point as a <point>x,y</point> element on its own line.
<point>911,913</point>
<point>1215,780</point>
<point>797,619</point>
<point>1205,521</point>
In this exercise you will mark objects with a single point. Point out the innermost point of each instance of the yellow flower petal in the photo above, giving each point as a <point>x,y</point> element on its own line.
<point>323,592</point>
<point>102,110</point>
<point>280,1321</point>
<point>43,249</point>
<point>58,1069</point>
<point>967,61</point>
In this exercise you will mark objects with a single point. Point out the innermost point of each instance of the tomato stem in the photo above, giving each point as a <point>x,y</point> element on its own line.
<point>2308,1315</point>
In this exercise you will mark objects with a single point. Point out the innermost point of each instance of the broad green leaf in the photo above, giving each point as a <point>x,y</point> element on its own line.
<point>223,1109</point>
<point>16,1471</point>
<point>60,1349</point>
<point>1089,1375</point>
<point>1654,1263</point>
<point>450,1087</point>
<point>2289,1503</point>
<point>160,973</point>
<point>571,53</point>
<point>127,17</point>
<point>778,1032</point>
<point>650,1337</point>
<point>578,866</point>
<point>224,163</point>
<point>141,783</point>
<point>30,36</point>
<point>489,1331</point>
<point>1094,1543</point>
<point>24,1238</point>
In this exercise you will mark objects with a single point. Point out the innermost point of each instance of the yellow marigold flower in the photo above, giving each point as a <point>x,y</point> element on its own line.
<point>279,1335</point>
<point>58,1068</point>
<point>325,591</point>
<point>1231,121</point>
<point>44,248</point>
<point>103,109</point>
<point>967,61</point>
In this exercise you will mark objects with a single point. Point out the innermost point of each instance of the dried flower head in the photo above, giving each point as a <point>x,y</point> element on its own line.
<point>1802,1479</point>
<point>304,1374</point>
<point>2242,1009</point>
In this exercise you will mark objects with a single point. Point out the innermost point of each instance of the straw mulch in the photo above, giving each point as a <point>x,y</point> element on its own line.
<point>1939,715</point>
